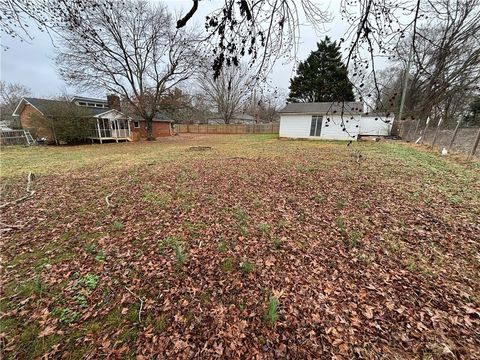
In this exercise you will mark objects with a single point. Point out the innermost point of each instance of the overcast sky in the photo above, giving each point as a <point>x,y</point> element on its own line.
<point>32,64</point>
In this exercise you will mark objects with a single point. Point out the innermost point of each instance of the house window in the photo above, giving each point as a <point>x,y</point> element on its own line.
<point>316,125</point>
<point>82,103</point>
<point>136,124</point>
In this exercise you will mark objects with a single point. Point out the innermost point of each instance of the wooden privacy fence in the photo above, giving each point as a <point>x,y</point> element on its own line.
<point>271,128</point>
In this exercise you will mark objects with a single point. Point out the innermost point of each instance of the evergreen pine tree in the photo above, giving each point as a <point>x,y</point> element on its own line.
<point>322,77</point>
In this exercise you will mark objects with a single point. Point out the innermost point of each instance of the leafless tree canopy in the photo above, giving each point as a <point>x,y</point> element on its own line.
<point>439,37</point>
<point>10,96</point>
<point>261,31</point>
<point>229,91</point>
<point>446,54</point>
<point>444,73</point>
<point>130,48</point>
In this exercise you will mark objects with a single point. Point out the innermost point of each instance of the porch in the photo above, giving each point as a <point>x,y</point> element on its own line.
<point>111,128</point>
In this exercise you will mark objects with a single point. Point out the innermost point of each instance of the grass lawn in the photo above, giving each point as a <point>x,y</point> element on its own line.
<point>256,248</point>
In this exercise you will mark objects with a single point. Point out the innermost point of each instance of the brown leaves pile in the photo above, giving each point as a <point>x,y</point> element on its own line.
<point>370,262</point>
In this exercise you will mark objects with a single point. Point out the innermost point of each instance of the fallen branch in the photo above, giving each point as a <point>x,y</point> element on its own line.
<point>141,304</point>
<point>107,200</point>
<point>7,227</point>
<point>29,191</point>
<point>360,158</point>
<point>12,226</point>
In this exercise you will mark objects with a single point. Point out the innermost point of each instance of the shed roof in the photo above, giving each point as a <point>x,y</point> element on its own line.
<point>323,108</point>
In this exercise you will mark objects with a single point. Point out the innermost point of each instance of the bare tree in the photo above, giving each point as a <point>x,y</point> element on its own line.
<point>261,32</point>
<point>258,31</point>
<point>18,17</point>
<point>10,96</point>
<point>130,48</point>
<point>229,91</point>
<point>447,55</point>
<point>444,71</point>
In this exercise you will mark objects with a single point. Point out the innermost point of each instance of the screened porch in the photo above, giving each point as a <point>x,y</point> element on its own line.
<point>111,129</point>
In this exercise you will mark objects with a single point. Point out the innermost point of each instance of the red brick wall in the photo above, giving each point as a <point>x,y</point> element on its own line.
<point>32,124</point>
<point>159,129</point>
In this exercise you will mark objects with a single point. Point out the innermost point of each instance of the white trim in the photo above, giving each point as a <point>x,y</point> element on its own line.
<point>107,111</point>
<point>87,99</point>
<point>20,103</point>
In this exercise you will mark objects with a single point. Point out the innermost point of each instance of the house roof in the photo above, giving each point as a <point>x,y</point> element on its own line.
<point>243,116</point>
<point>43,106</point>
<point>323,108</point>
<point>159,117</point>
<point>236,116</point>
<point>87,99</point>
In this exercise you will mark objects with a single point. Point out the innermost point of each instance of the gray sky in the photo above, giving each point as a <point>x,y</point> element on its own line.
<point>32,64</point>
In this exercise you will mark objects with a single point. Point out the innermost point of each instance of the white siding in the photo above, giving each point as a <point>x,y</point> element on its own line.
<point>375,125</point>
<point>298,126</point>
<point>295,126</point>
<point>334,130</point>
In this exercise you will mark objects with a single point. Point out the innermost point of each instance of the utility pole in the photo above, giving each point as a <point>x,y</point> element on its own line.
<point>255,115</point>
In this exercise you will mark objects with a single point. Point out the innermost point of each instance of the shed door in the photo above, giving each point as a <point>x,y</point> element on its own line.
<point>316,125</point>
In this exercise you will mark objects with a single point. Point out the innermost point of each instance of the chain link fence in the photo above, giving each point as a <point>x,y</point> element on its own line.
<point>462,139</point>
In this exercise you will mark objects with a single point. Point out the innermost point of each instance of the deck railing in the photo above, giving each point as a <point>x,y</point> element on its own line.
<point>109,133</point>
<point>13,137</point>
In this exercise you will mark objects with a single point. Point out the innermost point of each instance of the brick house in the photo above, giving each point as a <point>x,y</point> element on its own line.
<point>110,123</point>
<point>161,127</point>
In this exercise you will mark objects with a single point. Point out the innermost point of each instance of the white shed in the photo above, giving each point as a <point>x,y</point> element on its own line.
<point>330,121</point>
<point>376,124</point>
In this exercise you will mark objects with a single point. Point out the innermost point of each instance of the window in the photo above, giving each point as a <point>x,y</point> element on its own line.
<point>82,103</point>
<point>316,125</point>
<point>136,124</point>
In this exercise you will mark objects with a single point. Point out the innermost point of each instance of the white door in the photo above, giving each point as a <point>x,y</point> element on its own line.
<point>119,128</point>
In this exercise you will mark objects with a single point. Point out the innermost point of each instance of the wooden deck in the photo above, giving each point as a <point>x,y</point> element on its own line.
<point>102,139</point>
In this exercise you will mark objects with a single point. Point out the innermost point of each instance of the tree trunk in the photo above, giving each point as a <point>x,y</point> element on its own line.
<point>149,124</point>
